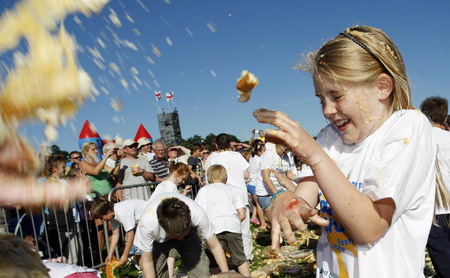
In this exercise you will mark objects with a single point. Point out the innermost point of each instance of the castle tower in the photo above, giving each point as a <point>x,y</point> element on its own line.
<point>169,128</point>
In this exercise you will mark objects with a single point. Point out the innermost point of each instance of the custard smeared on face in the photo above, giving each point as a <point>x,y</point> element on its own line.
<point>355,111</point>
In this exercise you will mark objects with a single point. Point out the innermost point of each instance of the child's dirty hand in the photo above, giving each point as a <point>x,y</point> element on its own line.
<point>290,212</point>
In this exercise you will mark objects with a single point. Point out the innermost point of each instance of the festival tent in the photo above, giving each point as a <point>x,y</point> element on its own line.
<point>142,132</point>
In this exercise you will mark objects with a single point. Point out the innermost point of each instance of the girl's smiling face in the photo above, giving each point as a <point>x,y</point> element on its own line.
<point>355,111</point>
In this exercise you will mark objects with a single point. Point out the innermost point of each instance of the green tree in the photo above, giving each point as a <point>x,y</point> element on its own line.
<point>233,138</point>
<point>209,139</point>
<point>212,137</point>
<point>196,139</point>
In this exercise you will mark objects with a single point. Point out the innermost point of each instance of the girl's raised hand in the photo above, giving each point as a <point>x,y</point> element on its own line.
<point>289,210</point>
<point>289,134</point>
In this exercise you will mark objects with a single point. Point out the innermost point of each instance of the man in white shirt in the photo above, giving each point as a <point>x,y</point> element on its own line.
<point>237,172</point>
<point>438,245</point>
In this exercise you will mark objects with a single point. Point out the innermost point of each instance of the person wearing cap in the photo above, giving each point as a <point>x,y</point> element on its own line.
<point>134,170</point>
<point>145,149</point>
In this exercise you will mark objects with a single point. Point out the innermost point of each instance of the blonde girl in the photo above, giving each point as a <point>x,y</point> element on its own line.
<point>371,169</point>
<point>98,173</point>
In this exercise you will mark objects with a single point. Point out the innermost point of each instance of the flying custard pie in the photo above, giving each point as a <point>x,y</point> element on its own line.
<point>245,85</point>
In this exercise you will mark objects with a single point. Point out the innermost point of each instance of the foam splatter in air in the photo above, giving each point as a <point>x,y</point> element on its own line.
<point>45,83</point>
<point>212,27</point>
<point>114,18</point>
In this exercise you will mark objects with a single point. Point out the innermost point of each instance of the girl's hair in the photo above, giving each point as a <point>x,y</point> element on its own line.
<point>101,207</point>
<point>174,216</point>
<point>53,161</point>
<point>358,56</point>
<point>217,173</point>
<point>257,148</point>
<point>179,168</point>
<point>85,147</point>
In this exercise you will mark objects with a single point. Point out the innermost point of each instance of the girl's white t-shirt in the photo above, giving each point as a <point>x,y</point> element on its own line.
<point>165,186</point>
<point>272,161</point>
<point>398,162</point>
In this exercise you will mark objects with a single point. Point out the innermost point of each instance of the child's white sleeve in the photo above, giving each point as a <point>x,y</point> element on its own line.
<point>403,169</point>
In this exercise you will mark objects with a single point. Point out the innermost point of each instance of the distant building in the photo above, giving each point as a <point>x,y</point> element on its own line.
<point>169,128</point>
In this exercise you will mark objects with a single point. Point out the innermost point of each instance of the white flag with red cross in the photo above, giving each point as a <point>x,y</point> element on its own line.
<point>169,96</point>
<point>158,95</point>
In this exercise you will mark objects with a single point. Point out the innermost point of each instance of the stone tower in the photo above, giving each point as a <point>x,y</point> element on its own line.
<point>169,128</point>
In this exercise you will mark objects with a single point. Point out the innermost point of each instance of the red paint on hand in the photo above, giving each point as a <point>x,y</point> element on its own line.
<point>293,204</point>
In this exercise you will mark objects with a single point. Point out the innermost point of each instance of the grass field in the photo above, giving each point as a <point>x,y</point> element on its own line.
<point>288,261</point>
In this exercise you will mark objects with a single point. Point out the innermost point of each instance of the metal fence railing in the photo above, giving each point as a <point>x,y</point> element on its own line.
<point>71,235</point>
<point>64,234</point>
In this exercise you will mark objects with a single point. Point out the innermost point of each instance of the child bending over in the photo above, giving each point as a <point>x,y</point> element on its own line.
<point>126,213</point>
<point>170,221</point>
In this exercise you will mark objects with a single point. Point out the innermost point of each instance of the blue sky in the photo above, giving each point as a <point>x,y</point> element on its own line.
<point>204,46</point>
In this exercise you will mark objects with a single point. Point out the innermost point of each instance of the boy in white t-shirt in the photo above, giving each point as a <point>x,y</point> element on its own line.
<point>172,221</point>
<point>126,213</point>
<point>225,210</point>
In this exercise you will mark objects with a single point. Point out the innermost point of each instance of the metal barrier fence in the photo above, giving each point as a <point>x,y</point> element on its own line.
<point>70,235</point>
<point>67,235</point>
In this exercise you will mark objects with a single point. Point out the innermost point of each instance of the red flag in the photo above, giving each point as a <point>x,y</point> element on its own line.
<point>158,95</point>
<point>169,96</point>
